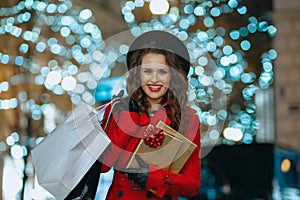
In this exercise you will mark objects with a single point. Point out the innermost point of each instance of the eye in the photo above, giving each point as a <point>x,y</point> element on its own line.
<point>146,71</point>
<point>163,72</point>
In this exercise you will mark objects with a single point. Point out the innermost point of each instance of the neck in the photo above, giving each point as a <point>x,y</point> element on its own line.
<point>153,109</point>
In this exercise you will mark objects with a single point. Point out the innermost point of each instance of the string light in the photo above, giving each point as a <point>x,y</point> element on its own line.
<point>159,7</point>
<point>234,134</point>
<point>231,62</point>
<point>80,40</point>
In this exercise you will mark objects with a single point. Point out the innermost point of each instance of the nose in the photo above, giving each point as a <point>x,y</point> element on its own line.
<point>155,77</point>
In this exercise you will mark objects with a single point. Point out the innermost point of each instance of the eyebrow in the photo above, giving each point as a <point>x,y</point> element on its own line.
<point>149,67</point>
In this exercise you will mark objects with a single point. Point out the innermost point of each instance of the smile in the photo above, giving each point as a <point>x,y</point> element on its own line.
<point>154,88</point>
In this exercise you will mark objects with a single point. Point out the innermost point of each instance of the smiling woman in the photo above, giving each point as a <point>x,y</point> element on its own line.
<point>157,86</point>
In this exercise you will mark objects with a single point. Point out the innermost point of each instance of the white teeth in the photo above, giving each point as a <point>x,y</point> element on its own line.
<point>154,87</point>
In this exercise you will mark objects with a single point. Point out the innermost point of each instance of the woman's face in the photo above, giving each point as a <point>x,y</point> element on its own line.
<point>155,77</point>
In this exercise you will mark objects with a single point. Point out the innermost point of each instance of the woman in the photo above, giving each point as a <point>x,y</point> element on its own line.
<point>158,64</point>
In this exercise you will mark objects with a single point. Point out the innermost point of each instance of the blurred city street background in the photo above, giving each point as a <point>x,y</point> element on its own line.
<point>244,83</point>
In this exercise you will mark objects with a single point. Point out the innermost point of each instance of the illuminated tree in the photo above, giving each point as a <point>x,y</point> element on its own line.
<point>43,46</point>
<point>236,35</point>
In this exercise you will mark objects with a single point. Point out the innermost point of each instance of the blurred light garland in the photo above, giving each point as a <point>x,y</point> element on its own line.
<point>231,64</point>
<point>76,40</point>
<point>73,43</point>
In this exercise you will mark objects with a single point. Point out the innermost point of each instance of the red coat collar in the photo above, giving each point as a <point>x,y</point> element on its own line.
<point>132,121</point>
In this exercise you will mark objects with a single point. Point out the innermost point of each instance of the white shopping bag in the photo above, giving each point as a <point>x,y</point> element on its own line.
<point>65,155</point>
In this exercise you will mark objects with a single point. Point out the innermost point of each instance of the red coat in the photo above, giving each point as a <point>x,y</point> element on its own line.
<point>125,129</point>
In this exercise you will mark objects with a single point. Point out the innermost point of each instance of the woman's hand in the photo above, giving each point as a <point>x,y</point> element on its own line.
<point>138,175</point>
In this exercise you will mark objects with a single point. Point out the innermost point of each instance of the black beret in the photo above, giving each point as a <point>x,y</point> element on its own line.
<point>161,40</point>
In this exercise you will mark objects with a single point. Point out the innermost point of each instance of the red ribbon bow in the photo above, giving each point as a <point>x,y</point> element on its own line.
<point>153,136</point>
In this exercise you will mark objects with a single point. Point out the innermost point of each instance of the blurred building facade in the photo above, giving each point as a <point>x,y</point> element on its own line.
<point>287,98</point>
<point>287,94</point>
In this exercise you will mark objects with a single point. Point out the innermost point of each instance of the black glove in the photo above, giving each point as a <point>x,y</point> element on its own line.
<point>138,175</point>
<point>119,95</point>
<point>117,103</point>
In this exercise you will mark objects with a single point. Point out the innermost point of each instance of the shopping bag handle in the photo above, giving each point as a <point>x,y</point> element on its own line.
<point>115,97</point>
<point>113,102</point>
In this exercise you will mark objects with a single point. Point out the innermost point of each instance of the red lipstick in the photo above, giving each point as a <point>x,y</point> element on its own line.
<point>154,87</point>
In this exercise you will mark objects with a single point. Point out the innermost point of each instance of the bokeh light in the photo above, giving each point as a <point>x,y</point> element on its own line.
<point>79,57</point>
<point>159,7</point>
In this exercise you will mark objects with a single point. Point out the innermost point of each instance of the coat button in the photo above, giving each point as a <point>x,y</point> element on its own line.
<point>120,193</point>
<point>149,194</point>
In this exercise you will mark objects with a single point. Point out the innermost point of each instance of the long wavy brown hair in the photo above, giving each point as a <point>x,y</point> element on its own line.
<point>176,94</point>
